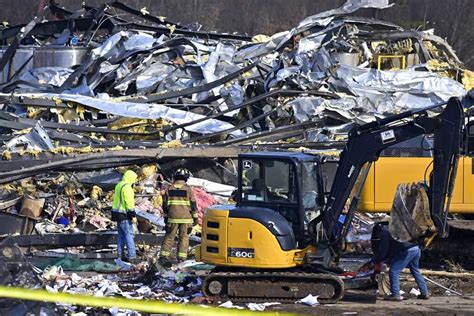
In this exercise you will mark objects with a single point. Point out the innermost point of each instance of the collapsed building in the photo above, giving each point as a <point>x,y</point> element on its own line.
<point>93,92</point>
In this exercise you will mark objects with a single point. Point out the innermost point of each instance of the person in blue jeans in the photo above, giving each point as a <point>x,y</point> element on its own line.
<point>400,255</point>
<point>123,212</point>
<point>126,237</point>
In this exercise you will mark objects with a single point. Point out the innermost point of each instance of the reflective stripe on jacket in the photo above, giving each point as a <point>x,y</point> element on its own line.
<point>179,203</point>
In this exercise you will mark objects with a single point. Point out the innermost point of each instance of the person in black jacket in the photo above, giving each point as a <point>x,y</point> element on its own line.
<point>401,255</point>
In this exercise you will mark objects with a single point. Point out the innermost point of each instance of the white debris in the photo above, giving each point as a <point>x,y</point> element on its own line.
<point>51,289</point>
<point>309,300</point>
<point>51,273</point>
<point>415,292</point>
<point>229,304</point>
<point>220,192</point>
<point>189,263</point>
<point>115,311</point>
<point>256,307</point>
<point>260,307</point>
<point>75,278</point>
<point>145,290</point>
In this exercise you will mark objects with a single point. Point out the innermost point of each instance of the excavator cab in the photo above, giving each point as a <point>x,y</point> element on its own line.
<point>289,184</point>
<point>278,194</point>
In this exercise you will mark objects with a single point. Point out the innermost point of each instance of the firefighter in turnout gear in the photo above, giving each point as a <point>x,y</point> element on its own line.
<point>180,210</point>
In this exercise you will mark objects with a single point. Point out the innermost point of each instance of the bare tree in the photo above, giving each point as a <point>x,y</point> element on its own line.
<point>451,19</point>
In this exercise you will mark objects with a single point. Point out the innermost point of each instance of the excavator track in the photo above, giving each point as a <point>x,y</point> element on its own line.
<point>280,286</point>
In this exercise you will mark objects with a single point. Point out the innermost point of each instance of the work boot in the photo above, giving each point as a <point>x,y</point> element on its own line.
<point>393,298</point>
<point>164,262</point>
<point>423,297</point>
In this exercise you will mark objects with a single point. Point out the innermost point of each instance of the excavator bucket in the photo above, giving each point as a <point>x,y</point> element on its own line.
<point>410,215</point>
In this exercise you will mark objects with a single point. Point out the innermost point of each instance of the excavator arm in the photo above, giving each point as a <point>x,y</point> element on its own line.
<point>364,146</point>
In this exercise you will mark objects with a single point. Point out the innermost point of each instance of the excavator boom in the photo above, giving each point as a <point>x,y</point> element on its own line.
<point>367,141</point>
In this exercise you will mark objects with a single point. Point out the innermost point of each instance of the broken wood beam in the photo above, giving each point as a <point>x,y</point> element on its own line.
<point>57,163</point>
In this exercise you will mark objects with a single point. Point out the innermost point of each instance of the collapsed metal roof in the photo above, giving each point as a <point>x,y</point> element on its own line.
<point>113,78</point>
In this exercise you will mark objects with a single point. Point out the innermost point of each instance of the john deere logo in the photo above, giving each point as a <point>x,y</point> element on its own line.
<point>247,164</point>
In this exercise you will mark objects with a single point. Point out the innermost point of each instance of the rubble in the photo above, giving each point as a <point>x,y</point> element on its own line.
<point>143,84</point>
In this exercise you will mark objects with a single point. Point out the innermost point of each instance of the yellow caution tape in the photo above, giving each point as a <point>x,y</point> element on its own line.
<point>148,306</point>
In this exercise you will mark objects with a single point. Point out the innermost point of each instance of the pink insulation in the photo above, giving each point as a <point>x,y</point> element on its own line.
<point>203,200</point>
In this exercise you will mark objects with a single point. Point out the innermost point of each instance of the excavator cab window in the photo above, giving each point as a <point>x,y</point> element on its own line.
<point>470,138</point>
<point>268,181</point>
<point>312,201</point>
<point>272,183</point>
<point>419,146</point>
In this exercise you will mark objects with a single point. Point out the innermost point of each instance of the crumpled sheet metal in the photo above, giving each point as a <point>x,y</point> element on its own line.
<point>54,76</point>
<point>392,91</point>
<point>310,108</point>
<point>36,139</point>
<point>377,93</point>
<point>207,75</point>
<point>142,110</point>
<point>324,18</point>
<point>158,71</point>
<point>125,42</point>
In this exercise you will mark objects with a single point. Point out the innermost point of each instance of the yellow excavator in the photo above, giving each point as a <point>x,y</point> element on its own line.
<point>284,237</point>
<point>411,162</point>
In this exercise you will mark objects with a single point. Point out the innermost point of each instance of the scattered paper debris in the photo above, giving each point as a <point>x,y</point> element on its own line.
<point>229,304</point>
<point>415,292</point>
<point>309,300</point>
<point>260,306</point>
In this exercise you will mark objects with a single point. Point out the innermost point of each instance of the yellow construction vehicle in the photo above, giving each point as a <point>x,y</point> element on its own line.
<point>283,238</point>
<point>411,162</point>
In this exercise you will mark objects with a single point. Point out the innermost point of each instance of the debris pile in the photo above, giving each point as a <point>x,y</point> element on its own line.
<point>81,202</point>
<point>136,81</point>
<point>169,286</point>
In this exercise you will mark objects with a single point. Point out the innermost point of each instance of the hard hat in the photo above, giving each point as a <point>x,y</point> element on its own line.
<point>182,172</point>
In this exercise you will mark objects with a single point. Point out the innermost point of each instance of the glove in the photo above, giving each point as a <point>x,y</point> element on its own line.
<point>377,268</point>
<point>190,229</point>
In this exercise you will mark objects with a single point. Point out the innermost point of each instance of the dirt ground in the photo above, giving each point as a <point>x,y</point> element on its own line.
<point>365,303</point>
